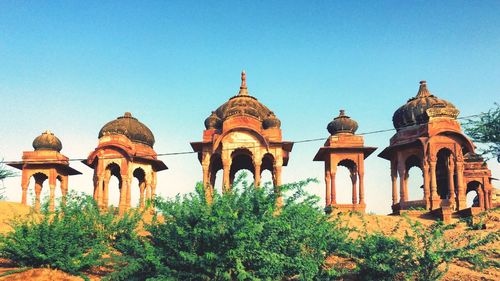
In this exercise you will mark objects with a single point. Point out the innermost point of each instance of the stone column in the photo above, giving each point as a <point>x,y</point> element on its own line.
<point>427,195</point>
<point>38,191</point>
<point>405,186</point>
<point>99,191</point>
<point>64,189</point>
<point>24,188</point>
<point>129,192</point>
<point>451,181</point>
<point>361,189</point>
<point>328,189</point>
<point>52,205</point>
<point>402,176</point>
<point>123,194</point>
<point>206,183</point>
<point>334,190</point>
<point>226,180</point>
<point>480,194</point>
<point>142,187</point>
<point>394,178</point>
<point>256,176</point>
<point>277,182</point>
<point>462,197</point>
<point>434,195</point>
<point>354,178</point>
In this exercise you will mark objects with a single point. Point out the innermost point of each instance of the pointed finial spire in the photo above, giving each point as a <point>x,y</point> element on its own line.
<point>422,90</point>
<point>342,112</point>
<point>243,87</point>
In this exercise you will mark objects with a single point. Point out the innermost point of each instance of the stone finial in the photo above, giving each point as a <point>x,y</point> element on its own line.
<point>243,87</point>
<point>342,112</point>
<point>422,90</point>
<point>127,114</point>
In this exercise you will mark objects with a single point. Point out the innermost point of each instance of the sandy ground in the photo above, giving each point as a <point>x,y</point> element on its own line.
<point>389,225</point>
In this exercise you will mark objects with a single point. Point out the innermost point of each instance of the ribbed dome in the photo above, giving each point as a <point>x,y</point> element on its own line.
<point>47,141</point>
<point>342,124</point>
<point>130,127</point>
<point>242,104</point>
<point>419,108</point>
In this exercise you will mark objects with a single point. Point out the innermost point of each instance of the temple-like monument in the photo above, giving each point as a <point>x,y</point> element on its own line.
<point>241,134</point>
<point>430,137</point>
<point>45,162</point>
<point>346,149</point>
<point>125,150</point>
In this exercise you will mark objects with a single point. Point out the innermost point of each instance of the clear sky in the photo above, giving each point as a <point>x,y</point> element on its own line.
<point>72,66</point>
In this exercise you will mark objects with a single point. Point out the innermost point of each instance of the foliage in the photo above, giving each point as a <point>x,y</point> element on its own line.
<point>242,235</point>
<point>73,239</point>
<point>423,253</point>
<point>486,129</point>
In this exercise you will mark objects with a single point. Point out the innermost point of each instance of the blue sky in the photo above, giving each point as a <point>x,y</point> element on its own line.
<point>72,66</point>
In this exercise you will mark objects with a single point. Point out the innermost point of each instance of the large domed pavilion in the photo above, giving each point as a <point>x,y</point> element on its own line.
<point>125,150</point>
<point>428,136</point>
<point>240,134</point>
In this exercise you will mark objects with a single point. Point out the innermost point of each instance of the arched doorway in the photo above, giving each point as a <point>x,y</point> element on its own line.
<point>444,161</point>
<point>241,159</point>
<point>473,198</point>
<point>350,177</point>
<point>139,181</point>
<point>414,178</point>
<point>112,177</point>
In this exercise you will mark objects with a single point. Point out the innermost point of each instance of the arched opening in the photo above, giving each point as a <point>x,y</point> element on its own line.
<point>215,172</point>
<point>444,156</point>
<point>241,159</point>
<point>415,178</point>
<point>138,185</point>
<point>346,173</point>
<point>472,199</point>
<point>112,178</point>
<point>267,169</point>
<point>246,180</point>
<point>37,181</point>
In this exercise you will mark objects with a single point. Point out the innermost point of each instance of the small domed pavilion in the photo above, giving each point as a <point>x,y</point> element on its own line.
<point>125,150</point>
<point>241,134</point>
<point>45,162</point>
<point>346,149</point>
<point>430,137</point>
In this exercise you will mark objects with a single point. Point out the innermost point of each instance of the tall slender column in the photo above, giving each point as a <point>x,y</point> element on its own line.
<point>427,195</point>
<point>256,176</point>
<point>153,187</point>
<point>405,186</point>
<point>142,187</point>
<point>206,183</point>
<point>129,192</point>
<point>451,181</point>
<point>226,181</point>
<point>24,188</point>
<point>328,190</point>
<point>434,195</point>
<point>402,176</point>
<point>105,189</point>
<point>354,178</point>
<point>52,196</point>
<point>64,189</point>
<point>462,197</point>
<point>480,194</point>
<point>123,194</point>
<point>361,188</point>
<point>334,190</point>
<point>99,191</point>
<point>277,183</point>
<point>38,191</point>
<point>394,178</point>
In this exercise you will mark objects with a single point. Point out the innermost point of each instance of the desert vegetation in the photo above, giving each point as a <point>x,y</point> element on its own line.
<point>241,235</point>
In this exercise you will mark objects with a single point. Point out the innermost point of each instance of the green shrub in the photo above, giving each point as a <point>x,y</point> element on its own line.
<point>73,239</point>
<point>240,236</point>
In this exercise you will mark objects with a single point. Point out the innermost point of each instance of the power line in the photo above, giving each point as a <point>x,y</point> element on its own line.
<point>193,152</point>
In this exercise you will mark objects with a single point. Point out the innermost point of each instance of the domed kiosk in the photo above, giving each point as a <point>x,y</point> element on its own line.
<point>429,137</point>
<point>240,134</point>
<point>125,150</point>
<point>346,149</point>
<point>45,162</point>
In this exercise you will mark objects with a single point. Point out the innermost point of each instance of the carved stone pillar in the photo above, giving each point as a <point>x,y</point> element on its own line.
<point>361,189</point>
<point>354,178</point>
<point>427,187</point>
<point>129,192</point>
<point>277,183</point>
<point>226,181</point>
<point>123,194</point>
<point>256,175</point>
<point>99,191</point>
<point>328,189</point>
<point>462,196</point>
<point>334,190</point>
<point>38,191</point>
<point>402,176</point>
<point>64,189</point>
<point>105,190</point>
<point>142,190</point>
<point>24,188</point>
<point>451,180</point>
<point>434,195</point>
<point>394,178</point>
<point>52,196</point>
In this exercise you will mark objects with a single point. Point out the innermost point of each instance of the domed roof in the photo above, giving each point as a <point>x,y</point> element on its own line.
<point>241,104</point>
<point>47,141</point>
<point>419,108</point>
<point>131,128</point>
<point>271,121</point>
<point>213,121</point>
<point>342,124</point>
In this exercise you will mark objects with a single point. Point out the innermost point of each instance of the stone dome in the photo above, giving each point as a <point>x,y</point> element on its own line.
<point>420,108</point>
<point>131,128</point>
<point>342,124</point>
<point>47,141</point>
<point>242,105</point>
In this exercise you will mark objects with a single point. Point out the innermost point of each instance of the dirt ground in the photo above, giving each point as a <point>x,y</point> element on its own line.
<point>389,225</point>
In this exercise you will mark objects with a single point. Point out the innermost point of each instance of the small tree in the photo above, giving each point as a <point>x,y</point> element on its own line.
<point>4,173</point>
<point>486,129</point>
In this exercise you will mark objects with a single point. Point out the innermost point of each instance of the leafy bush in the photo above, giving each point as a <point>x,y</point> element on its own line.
<point>240,236</point>
<point>73,239</point>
